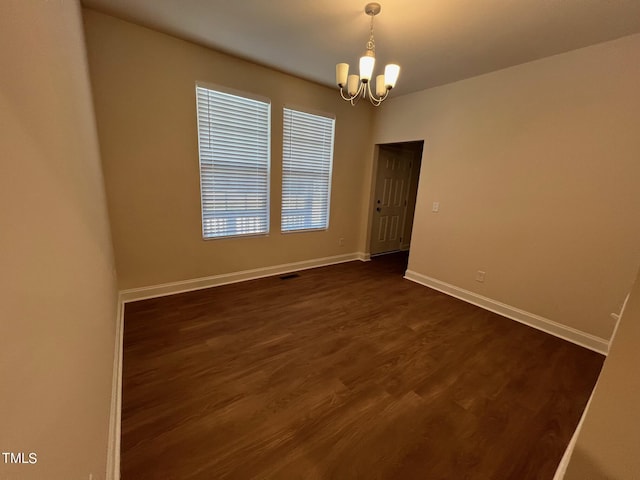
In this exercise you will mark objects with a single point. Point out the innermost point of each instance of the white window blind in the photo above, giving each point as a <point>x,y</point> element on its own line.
<point>306,170</point>
<point>233,140</point>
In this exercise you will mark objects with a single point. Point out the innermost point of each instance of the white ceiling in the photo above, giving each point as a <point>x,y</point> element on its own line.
<point>434,41</point>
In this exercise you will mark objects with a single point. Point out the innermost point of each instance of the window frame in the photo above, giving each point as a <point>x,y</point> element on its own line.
<point>332,117</point>
<point>247,96</point>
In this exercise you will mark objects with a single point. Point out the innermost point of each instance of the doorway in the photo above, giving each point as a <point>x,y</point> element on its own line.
<point>395,188</point>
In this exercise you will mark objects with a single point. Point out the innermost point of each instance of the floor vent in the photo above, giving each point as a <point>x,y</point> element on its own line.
<point>289,276</point>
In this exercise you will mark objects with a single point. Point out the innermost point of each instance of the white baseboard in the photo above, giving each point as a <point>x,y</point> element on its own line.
<point>115,415</point>
<point>578,337</point>
<point>171,288</point>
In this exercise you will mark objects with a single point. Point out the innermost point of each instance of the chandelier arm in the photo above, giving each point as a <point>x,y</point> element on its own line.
<point>382,98</point>
<point>353,99</point>
<point>359,94</point>
<point>348,99</point>
<point>372,98</point>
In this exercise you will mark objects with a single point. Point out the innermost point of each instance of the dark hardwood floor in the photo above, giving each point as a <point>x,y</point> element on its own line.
<point>345,372</point>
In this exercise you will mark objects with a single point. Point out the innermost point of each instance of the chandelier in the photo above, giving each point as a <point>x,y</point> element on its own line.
<point>360,86</point>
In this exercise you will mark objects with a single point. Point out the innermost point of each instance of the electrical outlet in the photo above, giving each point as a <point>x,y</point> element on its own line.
<point>341,241</point>
<point>435,207</point>
<point>480,276</point>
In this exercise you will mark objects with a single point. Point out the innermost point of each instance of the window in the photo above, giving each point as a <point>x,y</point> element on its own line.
<point>307,158</point>
<point>233,141</point>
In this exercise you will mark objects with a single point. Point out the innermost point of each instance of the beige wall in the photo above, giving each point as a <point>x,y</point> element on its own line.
<point>144,93</point>
<point>57,283</point>
<point>536,169</point>
<point>608,443</point>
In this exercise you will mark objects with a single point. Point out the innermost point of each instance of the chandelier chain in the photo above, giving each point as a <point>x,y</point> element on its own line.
<point>371,45</point>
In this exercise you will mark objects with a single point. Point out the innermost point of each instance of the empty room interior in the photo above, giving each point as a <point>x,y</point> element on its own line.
<point>233,246</point>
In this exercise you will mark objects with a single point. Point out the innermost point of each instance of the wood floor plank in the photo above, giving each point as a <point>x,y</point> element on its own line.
<point>344,372</point>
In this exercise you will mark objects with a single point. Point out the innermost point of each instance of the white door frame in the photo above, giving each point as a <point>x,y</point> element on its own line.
<point>418,145</point>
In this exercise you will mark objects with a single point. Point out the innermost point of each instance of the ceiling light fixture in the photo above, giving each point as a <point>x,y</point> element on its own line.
<point>358,87</point>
